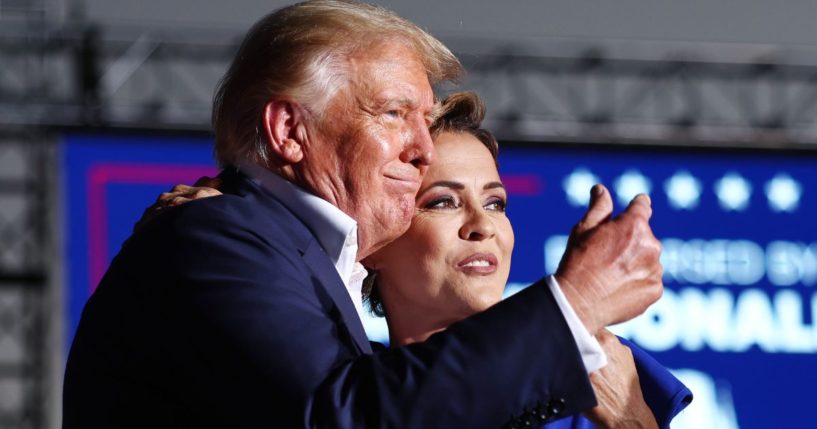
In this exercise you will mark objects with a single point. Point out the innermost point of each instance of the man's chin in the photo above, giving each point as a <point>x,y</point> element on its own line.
<point>382,230</point>
<point>394,230</point>
<point>373,240</point>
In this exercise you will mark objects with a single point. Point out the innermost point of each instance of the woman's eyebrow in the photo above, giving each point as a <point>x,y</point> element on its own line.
<point>446,184</point>
<point>459,186</point>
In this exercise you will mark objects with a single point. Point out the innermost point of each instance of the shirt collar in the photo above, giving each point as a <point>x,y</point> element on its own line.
<point>332,227</point>
<point>335,231</point>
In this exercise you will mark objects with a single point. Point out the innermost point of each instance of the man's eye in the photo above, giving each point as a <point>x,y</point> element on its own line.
<point>393,113</point>
<point>496,205</point>
<point>441,203</point>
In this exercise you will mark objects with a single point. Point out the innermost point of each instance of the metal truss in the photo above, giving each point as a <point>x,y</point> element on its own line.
<point>30,315</point>
<point>72,76</point>
<point>81,75</point>
<point>677,99</point>
<point>27,305</point>
<point>163,81</point>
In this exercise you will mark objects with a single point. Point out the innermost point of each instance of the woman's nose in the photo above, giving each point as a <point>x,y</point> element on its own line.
<point>478,226</point>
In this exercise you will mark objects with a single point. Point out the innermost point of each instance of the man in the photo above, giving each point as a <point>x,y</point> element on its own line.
<point>240,311</point>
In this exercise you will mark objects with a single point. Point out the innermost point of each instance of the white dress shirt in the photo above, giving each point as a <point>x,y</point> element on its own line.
<point>337,234</point>
<point>592,354</point>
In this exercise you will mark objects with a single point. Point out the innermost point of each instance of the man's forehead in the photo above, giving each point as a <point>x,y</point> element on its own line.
<point>405,90</point>
<point>389,59</point>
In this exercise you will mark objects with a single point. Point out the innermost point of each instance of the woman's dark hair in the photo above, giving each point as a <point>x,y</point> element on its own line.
<point>460,112</point>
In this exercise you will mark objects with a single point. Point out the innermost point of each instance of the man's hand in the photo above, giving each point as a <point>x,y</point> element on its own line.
<point>180,194</point>
<point>621,402</point>
<point>611,272</point>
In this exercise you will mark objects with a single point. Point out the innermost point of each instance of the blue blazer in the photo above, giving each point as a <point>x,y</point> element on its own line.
<point>225,312</point>
<point>663,392</point>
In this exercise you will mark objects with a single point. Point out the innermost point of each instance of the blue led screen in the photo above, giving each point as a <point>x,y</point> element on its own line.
<point>740,265</point>
<point>736,321</point>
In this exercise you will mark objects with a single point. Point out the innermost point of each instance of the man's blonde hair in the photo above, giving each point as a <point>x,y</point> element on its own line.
<point>301,52</point>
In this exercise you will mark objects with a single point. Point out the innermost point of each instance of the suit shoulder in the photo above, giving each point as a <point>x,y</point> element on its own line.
<point>226,214</point>
<point>236,225</point>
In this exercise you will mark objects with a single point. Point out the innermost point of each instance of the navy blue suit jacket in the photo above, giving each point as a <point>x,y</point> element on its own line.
<point>225,312</point>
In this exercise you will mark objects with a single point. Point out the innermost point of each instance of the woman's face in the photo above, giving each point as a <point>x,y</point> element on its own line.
<point>455,257</point>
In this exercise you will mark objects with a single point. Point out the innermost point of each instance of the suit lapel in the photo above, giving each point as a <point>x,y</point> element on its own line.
<point>317,261</point>
<point>314,256</point>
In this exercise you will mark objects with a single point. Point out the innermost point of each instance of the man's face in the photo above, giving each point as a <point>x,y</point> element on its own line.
<point>369,154</point>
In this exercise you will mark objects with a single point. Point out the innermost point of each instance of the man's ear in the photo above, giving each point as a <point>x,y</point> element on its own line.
<point>284,129</point>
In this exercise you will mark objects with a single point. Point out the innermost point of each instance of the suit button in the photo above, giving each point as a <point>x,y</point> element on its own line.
<point>541,412</point>
<point>556,406</point>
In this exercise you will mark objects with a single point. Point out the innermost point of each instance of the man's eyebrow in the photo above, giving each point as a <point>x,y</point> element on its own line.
<point>388,102</point>
<point>434,113</point>
<point>384,103</point>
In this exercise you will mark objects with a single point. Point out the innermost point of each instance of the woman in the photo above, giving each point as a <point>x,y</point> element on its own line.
<point>455,258</point>
<point>454,261</point>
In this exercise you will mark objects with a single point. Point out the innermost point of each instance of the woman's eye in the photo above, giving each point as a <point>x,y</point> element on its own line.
<point>496,205</point>
<point>441,203</point>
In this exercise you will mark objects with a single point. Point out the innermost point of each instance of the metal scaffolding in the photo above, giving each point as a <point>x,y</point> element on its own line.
<point>676,97</point>
<point>30,308</point>
<point>27,303</point>
<point>85,75</point>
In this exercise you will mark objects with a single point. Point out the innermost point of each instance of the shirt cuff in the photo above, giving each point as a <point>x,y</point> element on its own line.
<point>592,354</point>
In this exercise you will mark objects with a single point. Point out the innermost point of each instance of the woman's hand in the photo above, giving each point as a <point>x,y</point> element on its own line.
<point>180,194</point>
<point>621,403</point>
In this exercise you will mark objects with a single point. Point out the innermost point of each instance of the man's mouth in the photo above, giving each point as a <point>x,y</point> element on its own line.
<point>412,182</point>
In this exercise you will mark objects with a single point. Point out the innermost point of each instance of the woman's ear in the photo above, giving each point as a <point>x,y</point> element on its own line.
<point>284,129</point>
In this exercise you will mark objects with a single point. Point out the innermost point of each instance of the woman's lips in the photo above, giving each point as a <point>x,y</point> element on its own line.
<point>478,264</point>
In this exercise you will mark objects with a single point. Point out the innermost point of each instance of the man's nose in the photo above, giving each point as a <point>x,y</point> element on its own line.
<point>477,226</point>
<point>419,148</point>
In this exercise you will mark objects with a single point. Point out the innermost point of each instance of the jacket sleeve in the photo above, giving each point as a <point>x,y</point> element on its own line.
<point>664,393</point>
<point>500,366</point>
